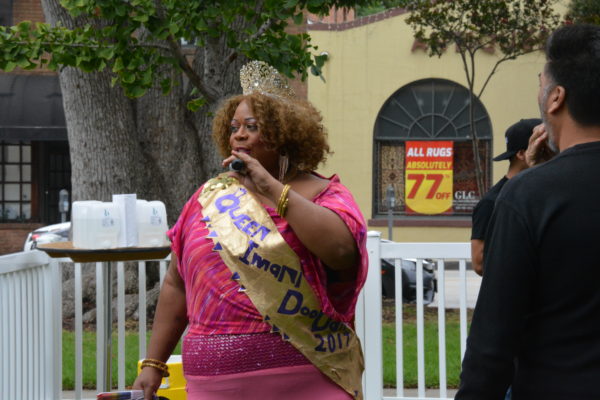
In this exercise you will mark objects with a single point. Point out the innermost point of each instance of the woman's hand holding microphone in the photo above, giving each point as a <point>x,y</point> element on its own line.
<point>250,172</point>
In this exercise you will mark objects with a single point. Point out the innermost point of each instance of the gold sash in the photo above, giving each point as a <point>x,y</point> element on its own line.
<point>269,272</point>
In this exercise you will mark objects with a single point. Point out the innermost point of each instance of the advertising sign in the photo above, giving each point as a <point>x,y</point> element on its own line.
<point>429,177</point>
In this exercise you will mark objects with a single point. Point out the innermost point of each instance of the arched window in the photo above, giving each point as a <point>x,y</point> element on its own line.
<point>6,10</point>
<point>429,110</point>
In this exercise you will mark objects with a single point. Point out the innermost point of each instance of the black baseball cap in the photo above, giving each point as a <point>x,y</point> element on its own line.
<point>517,137</point>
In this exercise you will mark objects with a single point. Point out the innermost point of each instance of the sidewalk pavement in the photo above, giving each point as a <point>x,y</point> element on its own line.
<point>85,394</point>
<point>412,393</point>
<point>453,289</point>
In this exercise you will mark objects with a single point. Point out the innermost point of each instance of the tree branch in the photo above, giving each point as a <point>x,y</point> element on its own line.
<point>234,53</point>
<point>483,45</point>
<point>208,92</point>
<point>463,58</point>
<point>505,58</point>
<point>472,58</point>
<point>175,48</point>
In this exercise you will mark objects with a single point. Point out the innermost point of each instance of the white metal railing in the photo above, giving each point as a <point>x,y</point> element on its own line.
<point>101,329</point>
<point>30,333</point>
<point>369,312</point>
<point>31,324</point>
<point>31,319</point>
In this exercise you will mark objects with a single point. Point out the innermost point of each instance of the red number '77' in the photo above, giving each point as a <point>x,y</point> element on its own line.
<point>418,178</point>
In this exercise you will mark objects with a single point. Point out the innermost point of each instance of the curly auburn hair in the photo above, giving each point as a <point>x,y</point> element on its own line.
<point>291,127</point>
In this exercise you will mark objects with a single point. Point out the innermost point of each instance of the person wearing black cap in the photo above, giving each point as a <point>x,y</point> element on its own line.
<point>517,140</point>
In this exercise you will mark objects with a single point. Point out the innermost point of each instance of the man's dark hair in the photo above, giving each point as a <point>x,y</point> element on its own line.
<point>573,54</point>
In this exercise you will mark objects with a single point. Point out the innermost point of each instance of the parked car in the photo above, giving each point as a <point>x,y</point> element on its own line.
<point>47,234</point>
<point>409,280</point>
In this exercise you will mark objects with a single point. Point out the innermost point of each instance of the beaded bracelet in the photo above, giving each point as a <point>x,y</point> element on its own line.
<point>157,364</point>
<point>283,201</point>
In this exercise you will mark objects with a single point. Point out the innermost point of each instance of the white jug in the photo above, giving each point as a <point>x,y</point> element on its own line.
<point>95,225</point>
<point>151,223</point>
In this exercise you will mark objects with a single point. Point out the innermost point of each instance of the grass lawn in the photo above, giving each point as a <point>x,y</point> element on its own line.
<point>431,355</point>
<point>453,360</point>
<point>389,347</point>
<point>89,358</point>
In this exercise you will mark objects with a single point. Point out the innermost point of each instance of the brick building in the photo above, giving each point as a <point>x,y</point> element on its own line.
<point>34,151</point>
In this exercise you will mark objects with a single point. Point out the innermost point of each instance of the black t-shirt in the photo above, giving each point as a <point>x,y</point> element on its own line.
<point>482,213</point>
<point>539,300</point>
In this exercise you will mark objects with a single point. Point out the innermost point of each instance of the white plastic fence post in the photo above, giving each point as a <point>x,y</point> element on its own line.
<point>441,278</point>
<point>373,338</point>
<point>399,328</point>
<point>162,271</point>
<point>55,310</point>
<point>142,308</point>
<point>420,330</point>
<point>78,333</point>
<point>100,347</point>
<point>463,307</point>
<point>121,325</point>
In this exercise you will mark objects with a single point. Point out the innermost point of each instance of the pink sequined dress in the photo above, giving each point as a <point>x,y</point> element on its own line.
<point>227,339</point>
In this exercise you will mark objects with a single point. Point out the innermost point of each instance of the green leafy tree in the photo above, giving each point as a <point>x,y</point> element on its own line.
<point>141,78</point>
<point>584,11</point>
<point>510,27</point>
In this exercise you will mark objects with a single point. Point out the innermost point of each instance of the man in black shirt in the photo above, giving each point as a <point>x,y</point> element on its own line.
<point>517,140</point>
<point>539,301</point>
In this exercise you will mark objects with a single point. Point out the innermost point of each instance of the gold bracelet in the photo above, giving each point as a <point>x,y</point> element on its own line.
<point>153,360</point>
<point>156,364</point>
<point>283,208</point>
<point>283,200</point>
<point>164,372</point>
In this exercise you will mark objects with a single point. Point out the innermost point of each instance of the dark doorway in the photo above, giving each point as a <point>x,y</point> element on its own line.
<point>55,174</point>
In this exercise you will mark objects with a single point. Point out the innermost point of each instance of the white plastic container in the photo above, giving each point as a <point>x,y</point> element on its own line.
<point>151,224</point>
<point>95,225</point>
<point>127,206</point>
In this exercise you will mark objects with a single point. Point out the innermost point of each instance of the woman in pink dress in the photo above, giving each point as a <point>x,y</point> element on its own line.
<point>267,262</point>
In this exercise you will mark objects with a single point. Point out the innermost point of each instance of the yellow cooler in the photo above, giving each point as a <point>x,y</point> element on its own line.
<point>172,387</point>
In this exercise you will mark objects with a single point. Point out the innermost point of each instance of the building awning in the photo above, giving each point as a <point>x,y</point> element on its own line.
<point>31,108</point>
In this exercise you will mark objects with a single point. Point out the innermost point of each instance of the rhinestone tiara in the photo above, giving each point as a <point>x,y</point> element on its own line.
<point>258,76</point>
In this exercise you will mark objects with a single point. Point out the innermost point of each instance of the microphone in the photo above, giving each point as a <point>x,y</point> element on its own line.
<point>236,165</point>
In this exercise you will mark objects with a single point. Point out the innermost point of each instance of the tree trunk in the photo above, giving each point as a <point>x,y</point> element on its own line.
<point>475,145</point>
<point>152,146</point>
<point>171,162</point>
<point>209,65</point>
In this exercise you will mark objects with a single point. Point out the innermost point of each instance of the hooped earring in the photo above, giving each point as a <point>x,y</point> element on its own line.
<point>284,164</point>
